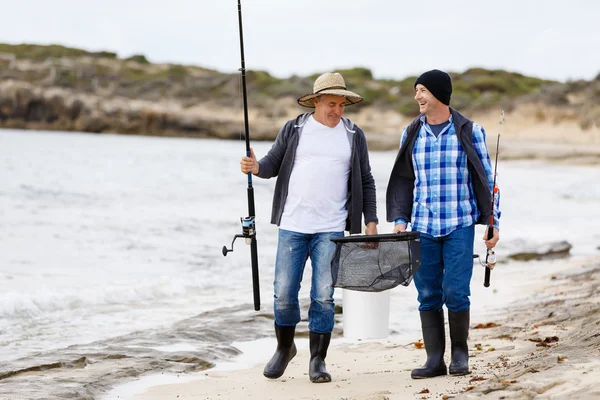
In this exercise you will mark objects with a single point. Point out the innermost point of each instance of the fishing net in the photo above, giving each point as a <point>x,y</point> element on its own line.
<point>374,263</point>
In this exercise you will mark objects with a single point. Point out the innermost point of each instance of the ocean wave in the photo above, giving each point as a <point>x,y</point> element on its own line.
<point>45,300</point>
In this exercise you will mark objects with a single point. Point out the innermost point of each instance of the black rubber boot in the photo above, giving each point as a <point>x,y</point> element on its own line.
<point>286,350</point>
<point>319,342</point>
<point>434,337</point>
<point>459,332</point>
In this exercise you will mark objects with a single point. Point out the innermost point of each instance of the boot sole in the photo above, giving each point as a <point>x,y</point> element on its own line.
<point>321,379</point>
<point>461,369</point>
<point>455,373</point>
<point>272,376</point>
<point>443,372</point>
<point>426,377</point>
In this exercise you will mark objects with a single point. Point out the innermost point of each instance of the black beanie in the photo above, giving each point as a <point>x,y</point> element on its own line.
<point>438,83</point>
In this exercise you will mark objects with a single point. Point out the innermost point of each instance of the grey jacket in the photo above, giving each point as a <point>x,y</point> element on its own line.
<point>279,162</point>
<point>399,196</point>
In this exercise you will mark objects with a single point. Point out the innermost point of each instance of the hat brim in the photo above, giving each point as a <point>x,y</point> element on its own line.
<point>351,97</point>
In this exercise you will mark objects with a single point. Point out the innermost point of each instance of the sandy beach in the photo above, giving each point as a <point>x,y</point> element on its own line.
<point>544,346</point>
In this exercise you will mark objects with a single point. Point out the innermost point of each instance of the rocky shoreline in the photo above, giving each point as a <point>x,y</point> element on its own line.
<point>66,89</point>
<point>25,106</point>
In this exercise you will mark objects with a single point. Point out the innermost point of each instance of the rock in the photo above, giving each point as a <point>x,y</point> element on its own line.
<point>90,123</point>
<point>547,251</point>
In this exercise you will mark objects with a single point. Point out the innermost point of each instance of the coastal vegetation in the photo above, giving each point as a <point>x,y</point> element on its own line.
<point>63,88</point>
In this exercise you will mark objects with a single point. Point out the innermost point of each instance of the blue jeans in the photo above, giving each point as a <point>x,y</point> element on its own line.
<point>444,276</point>
<point>293,250</point>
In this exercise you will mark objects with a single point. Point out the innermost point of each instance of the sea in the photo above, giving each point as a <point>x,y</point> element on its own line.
<point>112,272</point>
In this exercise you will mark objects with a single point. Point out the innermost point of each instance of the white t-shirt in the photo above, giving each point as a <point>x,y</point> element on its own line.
<point>318,187</point>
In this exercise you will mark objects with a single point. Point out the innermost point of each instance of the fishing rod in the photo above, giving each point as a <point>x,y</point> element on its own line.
<point>490,255</point>
<point>248,223</point>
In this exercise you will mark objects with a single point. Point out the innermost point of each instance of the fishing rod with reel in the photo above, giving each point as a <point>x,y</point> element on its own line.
<point>490,254</point>
<point>248,223</point>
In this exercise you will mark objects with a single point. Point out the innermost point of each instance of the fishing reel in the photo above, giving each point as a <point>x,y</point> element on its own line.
<point>248,230</point>
<point>490,256</point>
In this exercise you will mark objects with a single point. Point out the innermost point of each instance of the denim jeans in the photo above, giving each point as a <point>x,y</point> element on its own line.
<point>444,276</point>
<point>293,251</point>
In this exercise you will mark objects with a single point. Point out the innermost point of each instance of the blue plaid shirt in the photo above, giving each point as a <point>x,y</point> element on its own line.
<point>444,199</point>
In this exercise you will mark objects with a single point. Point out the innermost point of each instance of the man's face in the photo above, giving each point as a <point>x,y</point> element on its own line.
<point>427,101</point>
<point>329,109</point>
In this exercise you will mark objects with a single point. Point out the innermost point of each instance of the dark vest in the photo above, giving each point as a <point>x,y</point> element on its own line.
<point>399,196</point>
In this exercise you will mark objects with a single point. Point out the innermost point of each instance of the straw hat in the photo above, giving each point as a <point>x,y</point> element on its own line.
<point>329,83</point>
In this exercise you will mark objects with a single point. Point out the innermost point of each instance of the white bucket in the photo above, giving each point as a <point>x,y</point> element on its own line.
<point>366,315</point>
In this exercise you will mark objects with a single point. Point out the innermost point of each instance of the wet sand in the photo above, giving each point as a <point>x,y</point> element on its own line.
<point>546,346</point>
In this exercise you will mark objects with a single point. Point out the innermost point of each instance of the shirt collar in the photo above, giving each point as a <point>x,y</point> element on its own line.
<point>426,127</point>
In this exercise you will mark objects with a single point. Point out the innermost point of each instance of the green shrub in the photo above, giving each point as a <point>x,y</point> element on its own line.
<point>489,84</point>
<point>358,73</point>
<point>177,72</point>
<point>261,81</point>
<point>139,58</point>
<point>41,52</point>
<point>408,108</point>
<point>103,54</point>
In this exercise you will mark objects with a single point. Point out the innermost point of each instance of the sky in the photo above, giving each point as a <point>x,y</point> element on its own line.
<point>552,39</point>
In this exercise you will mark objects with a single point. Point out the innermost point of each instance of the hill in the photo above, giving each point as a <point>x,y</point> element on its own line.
<point>61,88</point>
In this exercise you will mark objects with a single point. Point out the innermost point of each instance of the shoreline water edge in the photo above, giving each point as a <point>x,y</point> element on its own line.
<point>545,345</point>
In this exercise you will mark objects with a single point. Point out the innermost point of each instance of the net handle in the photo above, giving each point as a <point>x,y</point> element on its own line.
<point>384,237</point>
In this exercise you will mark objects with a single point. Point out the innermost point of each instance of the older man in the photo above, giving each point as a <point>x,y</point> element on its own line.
<point>324,186</point>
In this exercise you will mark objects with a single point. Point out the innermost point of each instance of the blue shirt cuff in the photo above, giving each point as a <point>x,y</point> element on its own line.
<point>400,221</point>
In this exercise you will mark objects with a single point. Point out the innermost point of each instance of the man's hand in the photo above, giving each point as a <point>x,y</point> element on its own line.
<point>371,228</point>
<point>249,164</point>
<point>490,244</point>
<point>399,228</point>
